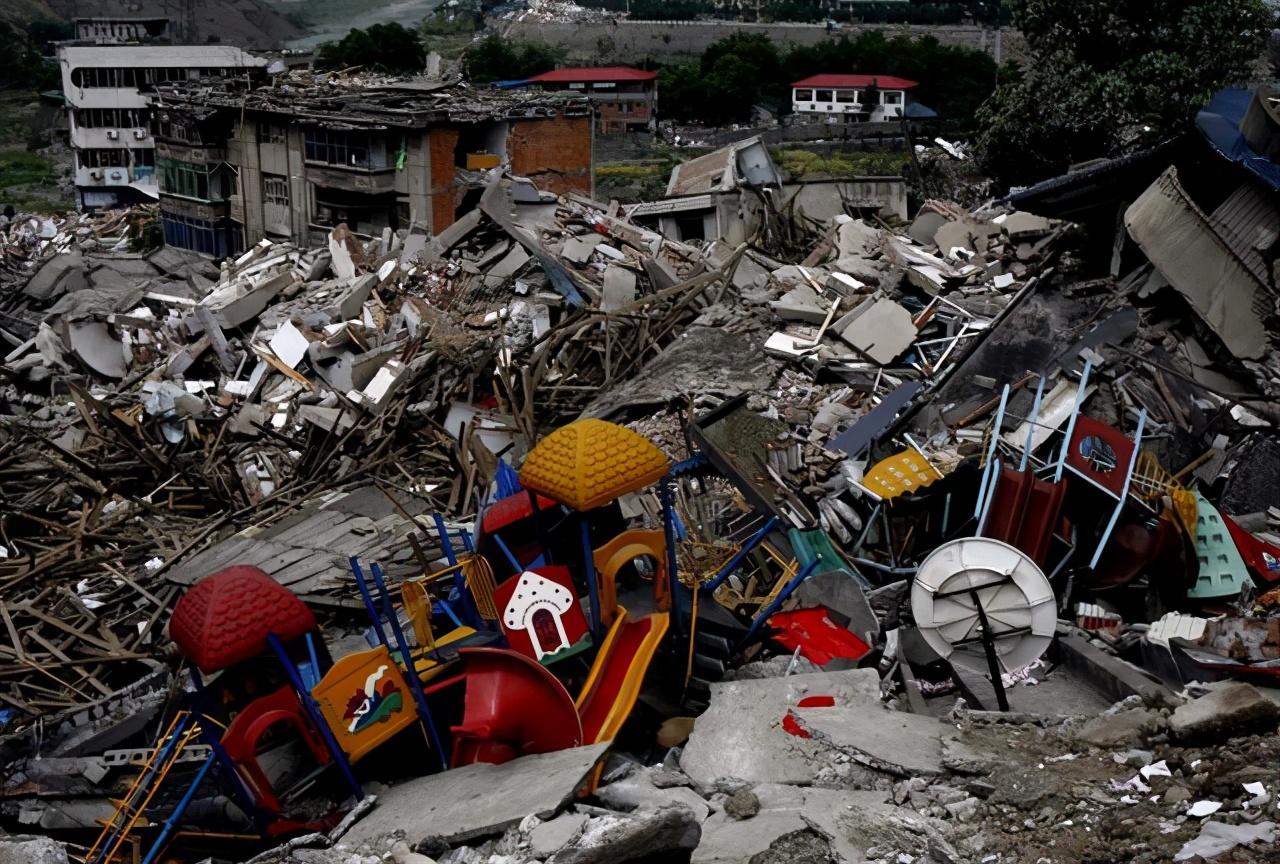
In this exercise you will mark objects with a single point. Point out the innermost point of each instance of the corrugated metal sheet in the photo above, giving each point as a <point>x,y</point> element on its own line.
<point>1188,250</point>
<point>1249,220</point>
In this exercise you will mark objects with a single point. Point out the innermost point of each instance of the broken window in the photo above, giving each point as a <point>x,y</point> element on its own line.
<point>101,158</point>
<point>188,179</point>
<point>271,133</point>
<point>110,118</point>
<point>275,190</point>
<point>198,235</point>
<point>350,150</point>
<point>804,95</point>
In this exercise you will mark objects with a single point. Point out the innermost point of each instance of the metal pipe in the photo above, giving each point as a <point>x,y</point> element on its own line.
<point>736,561</point>
<point>411,672</point>
<point>313,712</point>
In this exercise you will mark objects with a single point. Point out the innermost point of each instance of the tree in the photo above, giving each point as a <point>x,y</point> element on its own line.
<point>1111,76</point>
<point>495,59</point>
<point>384,47</point>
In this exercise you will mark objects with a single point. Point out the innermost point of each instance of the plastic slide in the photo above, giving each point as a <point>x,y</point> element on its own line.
<point>513,707</point>
<point>613,686</point>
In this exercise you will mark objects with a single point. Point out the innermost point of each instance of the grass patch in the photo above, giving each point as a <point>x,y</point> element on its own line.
<point>30,182</point>
<point>805,164</point>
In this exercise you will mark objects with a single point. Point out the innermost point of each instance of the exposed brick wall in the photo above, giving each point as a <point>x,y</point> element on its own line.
<point>443,194</point>
<point>555,154</point>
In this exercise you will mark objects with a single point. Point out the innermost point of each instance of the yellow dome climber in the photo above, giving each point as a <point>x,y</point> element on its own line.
<point>591,462</point>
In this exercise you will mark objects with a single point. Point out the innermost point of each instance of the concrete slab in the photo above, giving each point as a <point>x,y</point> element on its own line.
<point>853,821</point>
<point>478,800</point>
<point>740,735</point>
<point>897,742</point>
<point>879,328</point>
<point>619,288</point>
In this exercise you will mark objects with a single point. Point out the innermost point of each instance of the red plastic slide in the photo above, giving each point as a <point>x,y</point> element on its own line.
<point>513,707</point>
<point>614,684</point>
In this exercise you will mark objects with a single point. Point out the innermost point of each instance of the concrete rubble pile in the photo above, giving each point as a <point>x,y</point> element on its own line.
<point>974,543</point>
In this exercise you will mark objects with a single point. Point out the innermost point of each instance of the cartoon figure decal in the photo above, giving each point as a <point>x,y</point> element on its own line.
<point>375,703</point>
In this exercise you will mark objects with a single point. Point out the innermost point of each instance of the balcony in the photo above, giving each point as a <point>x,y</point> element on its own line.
<point>371,180</point>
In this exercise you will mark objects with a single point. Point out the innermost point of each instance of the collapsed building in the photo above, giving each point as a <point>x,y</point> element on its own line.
<point>291,159</point>
<point>842,539</point>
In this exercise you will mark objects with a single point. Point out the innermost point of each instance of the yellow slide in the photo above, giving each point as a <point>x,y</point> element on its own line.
<point>613,686</point>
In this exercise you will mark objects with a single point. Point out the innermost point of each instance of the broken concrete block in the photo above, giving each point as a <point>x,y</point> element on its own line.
<point>619,288</point>
<point>1232,709</point>
<point>801,303</point>
<point>1021,225</point>
<point>458,805</point>
<point>341,252</point>
<point>896,742</point>
<point>507,267</point>
<point>289,344</point>
<point>97,348</point>
<point>740,734</point>
<point>378,392</point>
<point>659,273</point>
<point>237,304</point>
<point>550,837</point>
<point>1133,726</point>
<point>353,298</point>
<point>879,328</point>
<point>59,275</point>
<point>925,226</point>
<point>742,804</point>
<point>839,824</point>
<point>845,284</point>
<point>23,849</point>
<point>636,791</point>
<point>653,836</point>
<point>577,250</point>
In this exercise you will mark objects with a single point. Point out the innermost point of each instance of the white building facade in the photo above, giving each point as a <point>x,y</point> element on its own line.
<point>869,98</point>
<point>110,126</point>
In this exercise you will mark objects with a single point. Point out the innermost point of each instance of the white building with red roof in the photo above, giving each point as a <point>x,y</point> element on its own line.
<point>864,97</point>
<point>625,99</point>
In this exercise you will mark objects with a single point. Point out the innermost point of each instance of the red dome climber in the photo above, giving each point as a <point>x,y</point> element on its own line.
<point>225,618</point>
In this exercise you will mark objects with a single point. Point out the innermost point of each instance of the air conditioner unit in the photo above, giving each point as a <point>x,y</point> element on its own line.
<point>113,134</point>
<point>139,133</point>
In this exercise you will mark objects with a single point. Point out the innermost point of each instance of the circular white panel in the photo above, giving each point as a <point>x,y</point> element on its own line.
<point>1013,591</point>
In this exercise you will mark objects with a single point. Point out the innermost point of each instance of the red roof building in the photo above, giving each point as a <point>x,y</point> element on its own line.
<point>884,82</point>
<point>624,98</point>
<point>875,98</point>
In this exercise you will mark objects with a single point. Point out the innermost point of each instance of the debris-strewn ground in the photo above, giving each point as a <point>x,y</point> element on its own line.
<point>965,419</point>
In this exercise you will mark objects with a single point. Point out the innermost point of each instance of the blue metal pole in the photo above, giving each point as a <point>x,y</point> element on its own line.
<point>667,498</point>
<point>411,673</point>
<point>736,561</point>
<point>313,712</point>
<point>165,749</point>
<point>1032,422</point>
<point>469,611</point>
<point>511,559</point>
<point>1071,424</point>
<point>589,566</point>
<point>374,619</point>
<point>1124,492</point>
<point>782,597</point>
<point>178,812</point>
<point>991,451</point>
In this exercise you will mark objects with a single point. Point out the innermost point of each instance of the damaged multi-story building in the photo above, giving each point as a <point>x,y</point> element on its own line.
<point>106,88</point>
<point>293,158</point>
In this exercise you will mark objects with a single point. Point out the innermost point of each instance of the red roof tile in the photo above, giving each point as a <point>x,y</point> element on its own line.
<point>593,73</point>
<point>884,82</point>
